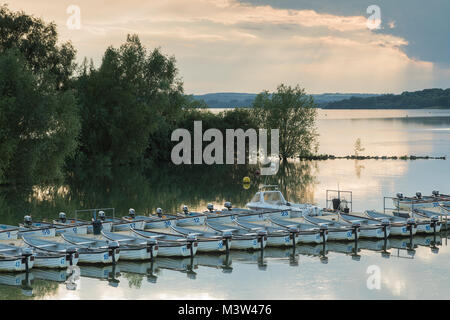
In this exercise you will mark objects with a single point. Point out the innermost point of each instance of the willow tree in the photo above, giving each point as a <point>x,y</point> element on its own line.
<point>293,112</point>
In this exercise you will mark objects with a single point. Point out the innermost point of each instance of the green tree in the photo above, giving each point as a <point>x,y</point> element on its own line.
<point>292,112</point>
<point>38,43</point>
<point>38,124</point>
<point>128,105</point>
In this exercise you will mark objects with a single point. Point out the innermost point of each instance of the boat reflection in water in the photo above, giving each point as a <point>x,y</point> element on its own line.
<point>135,273</point>
<point>105,273</point>
<point>23,280</point>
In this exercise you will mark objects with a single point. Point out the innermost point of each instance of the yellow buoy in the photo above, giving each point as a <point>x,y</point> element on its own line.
<point>246,186</point>
<point>246,180</point>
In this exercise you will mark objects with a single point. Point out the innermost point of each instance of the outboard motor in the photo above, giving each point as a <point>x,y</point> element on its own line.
<point>435,193</point>
<point>113,249</point>
<point>159,212</point>
<point>385,223</point>
<point>293,231</point>
<point>62,217</point>
<point>227,205</point>
<point>323,232</point>
<point>410,223</point>
<point>185,210</point>
<point>262,235</point>
<point>27,221</point>
<point>26,254</point>
<point>132,213</point>
<point>336,203</point>
<point>70,252</point>
<point>419,195</point>
<point>152,243</point>
<point>210,207</point>
<point>355,228</point>
<point>226,236</point>
<point>101,215</point>
<point>434,222</point>
<point>191,242</point>
<point>400,195</point>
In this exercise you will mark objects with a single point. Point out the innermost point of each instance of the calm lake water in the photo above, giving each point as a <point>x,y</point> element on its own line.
<point>408,270</point>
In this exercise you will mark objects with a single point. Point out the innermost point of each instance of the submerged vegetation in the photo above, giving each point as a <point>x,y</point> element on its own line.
<point>57,117</point>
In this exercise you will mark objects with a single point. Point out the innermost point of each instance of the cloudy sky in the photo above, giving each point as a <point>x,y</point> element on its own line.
<point>249,46</point>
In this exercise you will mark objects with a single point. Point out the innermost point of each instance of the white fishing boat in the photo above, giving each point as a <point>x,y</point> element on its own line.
<point>336,230</point>
<point>229,214</point>
<point>189,218</point>
<point>29,230</point>
<point>203,244</point>
<point>202,235</point>
<point>265,200</point>
<point>399,226</point>
<point>8,232</point>
<point>429,221</point>
<point>59,228</point>
<point>241,239</point>
<point>308,233</point>
<point>14,259</point>
<point>79,226</point>
<point>276,237</point>
<point>124,224</point>
<point>171,245</point>
<point>369,228</point>
<point>93,243</point>
<point>418,201</point>
<point>72,253</point>
<point>158,221</point>
<point>51,260</point>
<point>133,248</point>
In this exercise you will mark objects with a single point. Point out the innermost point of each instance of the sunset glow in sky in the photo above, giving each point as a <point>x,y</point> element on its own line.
<point>233,46</point>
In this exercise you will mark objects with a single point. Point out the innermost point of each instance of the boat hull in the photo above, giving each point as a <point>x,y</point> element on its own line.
<point>402,230</point>
<point>82,229</point>
<point>159,224</point>
<point>190,221</point>
<point>427,228</point>
<point>53,261</point>
<point>175,250</point>
<point>16,263</point>
<point>342,235</point>
<point>44,232</point>
<point>9,234</point>
<point>124,226</point>
<point>314,237</point>
<point>247,244</point>
<point>139,254</point>
<point>377,233</point>
<point>212,245</point>
<point>103,257</point>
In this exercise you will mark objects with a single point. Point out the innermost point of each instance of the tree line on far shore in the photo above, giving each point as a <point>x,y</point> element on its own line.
<point>57,116</point>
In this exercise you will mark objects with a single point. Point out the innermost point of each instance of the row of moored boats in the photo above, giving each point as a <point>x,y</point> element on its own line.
<point>267,220</point>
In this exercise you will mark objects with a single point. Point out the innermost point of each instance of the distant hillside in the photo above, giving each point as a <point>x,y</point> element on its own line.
<point>428,98</point>
<point>233,99</point>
